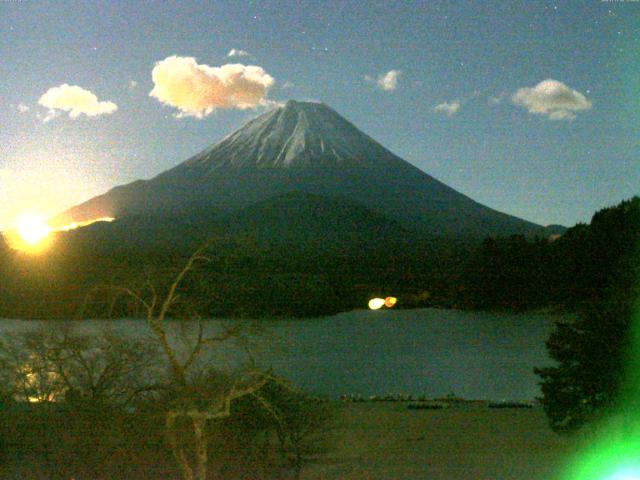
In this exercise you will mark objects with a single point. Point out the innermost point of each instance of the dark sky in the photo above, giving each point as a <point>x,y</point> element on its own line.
<point>529,107</point>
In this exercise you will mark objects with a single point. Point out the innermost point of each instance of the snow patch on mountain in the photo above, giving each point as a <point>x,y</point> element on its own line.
<point>297,134</point>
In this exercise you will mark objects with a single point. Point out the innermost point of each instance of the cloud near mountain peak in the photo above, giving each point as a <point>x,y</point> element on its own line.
<point>197,89</point>
<point>385,81</point>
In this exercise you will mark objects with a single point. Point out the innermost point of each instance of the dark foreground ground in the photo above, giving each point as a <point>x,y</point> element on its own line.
<point>468,441</point>
<point>371,440</point>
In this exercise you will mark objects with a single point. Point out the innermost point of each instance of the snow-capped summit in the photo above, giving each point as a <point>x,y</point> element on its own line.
<point>297,134</point>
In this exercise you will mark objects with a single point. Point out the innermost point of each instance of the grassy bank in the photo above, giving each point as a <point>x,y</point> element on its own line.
<point>467,441</point>
<point>369,440</point>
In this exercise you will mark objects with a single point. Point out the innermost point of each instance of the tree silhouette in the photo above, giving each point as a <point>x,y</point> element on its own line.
<point>597,353</point>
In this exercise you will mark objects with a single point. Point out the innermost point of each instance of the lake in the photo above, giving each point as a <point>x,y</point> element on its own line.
<point>432,352</point>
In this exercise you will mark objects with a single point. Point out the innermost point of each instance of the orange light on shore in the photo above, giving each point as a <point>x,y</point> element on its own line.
<point>390,301</point>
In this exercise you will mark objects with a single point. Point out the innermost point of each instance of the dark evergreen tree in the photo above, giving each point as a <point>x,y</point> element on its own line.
<point>596,351</point>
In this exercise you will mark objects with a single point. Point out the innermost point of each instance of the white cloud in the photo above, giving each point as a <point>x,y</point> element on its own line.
<point>132,84</point>
<point>236,52</point>
<point>197,89</point>
<point>551,98</point>
<point>22,108</point>
<point>75,100</point>
<point>497,100</point>
<point>48,116</point>
<point>387,81</point>
<point>447,108</point>
<point>562,115</point>
<point>287,85</point>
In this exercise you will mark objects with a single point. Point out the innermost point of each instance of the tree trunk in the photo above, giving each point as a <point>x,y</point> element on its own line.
<point>200,437</point>
<point>178,453</point>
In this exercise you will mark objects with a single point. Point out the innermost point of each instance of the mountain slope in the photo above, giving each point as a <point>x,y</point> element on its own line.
<point>311,220</point>
<point>305,147</point>
<point>293,219</point>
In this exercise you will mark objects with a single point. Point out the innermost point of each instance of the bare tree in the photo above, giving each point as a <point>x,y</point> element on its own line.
<point>55,362</point>
<point>81,386</point>
<point>28,374</point>
<point>196,405</point>
<point>302,423</point>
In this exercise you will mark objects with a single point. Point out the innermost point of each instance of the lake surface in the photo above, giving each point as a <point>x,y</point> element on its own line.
<point>429,352</point>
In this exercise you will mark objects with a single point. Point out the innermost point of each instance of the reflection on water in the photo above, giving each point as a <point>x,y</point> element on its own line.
<point>420,352</point>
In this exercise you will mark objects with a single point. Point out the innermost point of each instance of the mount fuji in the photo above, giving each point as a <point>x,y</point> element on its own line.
<point>305,148</point>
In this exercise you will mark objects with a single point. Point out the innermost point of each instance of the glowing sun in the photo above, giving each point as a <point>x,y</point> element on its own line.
<point>32,228</point>
<point>30,233</point>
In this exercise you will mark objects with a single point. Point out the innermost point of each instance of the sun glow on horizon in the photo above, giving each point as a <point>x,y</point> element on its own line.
<point>31,232</point>
<point>32,228</point>
<point>74,225</point>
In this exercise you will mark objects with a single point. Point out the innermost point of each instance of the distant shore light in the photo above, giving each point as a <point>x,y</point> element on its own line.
<point>376,303</point>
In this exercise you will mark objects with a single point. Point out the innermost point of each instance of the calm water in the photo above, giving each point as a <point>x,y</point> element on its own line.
<point>428,351</point>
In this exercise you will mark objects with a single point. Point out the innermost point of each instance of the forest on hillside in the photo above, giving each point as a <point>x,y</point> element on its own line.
<point>249,274</point>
